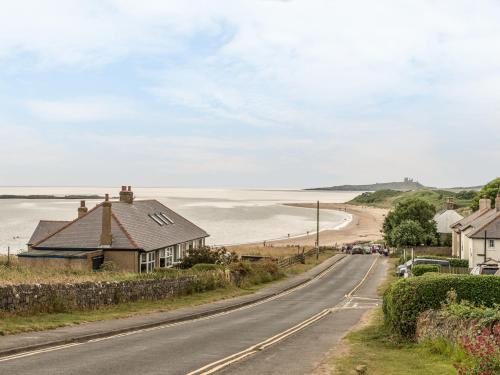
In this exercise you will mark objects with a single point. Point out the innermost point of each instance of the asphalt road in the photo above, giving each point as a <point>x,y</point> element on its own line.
<point>183,348</point>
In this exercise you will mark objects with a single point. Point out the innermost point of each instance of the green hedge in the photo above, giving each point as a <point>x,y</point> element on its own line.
<point>420,269</point>
<point>405,299</point>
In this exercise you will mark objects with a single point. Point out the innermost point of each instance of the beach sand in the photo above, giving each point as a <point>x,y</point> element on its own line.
<point>366,225</point>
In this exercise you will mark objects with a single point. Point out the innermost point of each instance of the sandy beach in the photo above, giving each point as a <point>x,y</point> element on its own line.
<point>366,225</point>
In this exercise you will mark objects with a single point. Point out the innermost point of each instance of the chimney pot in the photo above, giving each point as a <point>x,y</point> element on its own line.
<point>124,188</point>
<point>484,203</point>
<point>106,197</point>
<point>126,195</point>
<point>82,210</point>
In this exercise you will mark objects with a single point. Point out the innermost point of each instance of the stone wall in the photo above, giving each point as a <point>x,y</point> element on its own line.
<point>92,295</point>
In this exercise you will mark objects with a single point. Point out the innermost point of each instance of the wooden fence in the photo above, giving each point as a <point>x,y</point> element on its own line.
<point>456,270</point>
<point>288,261</point>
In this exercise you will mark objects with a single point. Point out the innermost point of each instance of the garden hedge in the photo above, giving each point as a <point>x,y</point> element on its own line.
<point>420,269</point>
<point>405,299</point>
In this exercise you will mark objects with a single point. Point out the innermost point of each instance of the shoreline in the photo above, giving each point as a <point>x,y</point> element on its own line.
<point>365,225</point>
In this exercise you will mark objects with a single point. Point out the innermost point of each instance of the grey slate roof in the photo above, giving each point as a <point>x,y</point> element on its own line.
<point>131,228</point>
<point>489,222</point>
<point>466,221</point>
<point>445,218</point>
<point>45,228</point>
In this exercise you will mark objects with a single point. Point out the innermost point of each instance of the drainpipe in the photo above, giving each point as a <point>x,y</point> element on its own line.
<point>485,246</point>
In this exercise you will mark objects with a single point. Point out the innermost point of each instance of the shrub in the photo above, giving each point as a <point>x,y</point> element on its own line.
<point>245,274</point>
<point>108,266</point>
<point>420,269</point>
<point>206,267</point>
<point>207,256</point>
<point>405,299</point>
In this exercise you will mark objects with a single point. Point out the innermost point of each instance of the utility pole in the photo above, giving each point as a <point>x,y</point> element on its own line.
<point>317,230</point>
<point>8,256</point>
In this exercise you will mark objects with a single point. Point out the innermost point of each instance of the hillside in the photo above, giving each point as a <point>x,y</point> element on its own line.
<point>405,185</point>
<point>389,198</point>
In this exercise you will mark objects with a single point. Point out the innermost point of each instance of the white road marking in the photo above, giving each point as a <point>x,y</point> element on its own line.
<point>65,346</point>
<point>239,356</point>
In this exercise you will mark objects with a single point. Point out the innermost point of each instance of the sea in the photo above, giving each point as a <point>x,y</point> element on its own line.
<point>231,216</point>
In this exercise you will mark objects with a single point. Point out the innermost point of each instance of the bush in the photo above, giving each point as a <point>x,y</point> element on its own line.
<point>108,266</point>
<point>420,269</point>
<point>405,299</point>
<point>246,274</point>
<point>207,267</point>
<point>207,256</point>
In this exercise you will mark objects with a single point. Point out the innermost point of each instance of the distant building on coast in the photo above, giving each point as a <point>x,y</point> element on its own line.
<point>477,236</point>
<point>136,235</point>
<point>444,219</point>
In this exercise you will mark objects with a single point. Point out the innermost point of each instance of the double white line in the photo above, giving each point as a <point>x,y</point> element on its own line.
<point>227,361</point>
<point>163,326</point>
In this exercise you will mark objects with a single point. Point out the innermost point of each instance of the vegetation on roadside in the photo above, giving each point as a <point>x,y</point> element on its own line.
<point>247,278</point>
<point>375,347</point>
<point>405,299</point>
<point>411,223</point>
<point>420,269</point>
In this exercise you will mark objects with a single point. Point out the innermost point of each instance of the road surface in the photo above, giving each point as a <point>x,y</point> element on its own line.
<point>289,334</point>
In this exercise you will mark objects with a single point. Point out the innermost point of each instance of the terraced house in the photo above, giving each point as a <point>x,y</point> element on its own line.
<point>477,236</point>
<point>136,235</point>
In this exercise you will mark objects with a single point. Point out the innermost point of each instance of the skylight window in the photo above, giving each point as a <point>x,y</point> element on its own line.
<point>166,218</point>
<point>162,218</point>
<point>156,219</point>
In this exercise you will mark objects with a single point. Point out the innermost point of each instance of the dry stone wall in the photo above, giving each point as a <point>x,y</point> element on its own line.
<point>90,295</point>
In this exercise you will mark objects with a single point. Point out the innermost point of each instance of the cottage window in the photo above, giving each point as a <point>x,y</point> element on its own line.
<point>166,257</point>
<point>147,262</point>
<point>492,244</point>
<point>178,253</point>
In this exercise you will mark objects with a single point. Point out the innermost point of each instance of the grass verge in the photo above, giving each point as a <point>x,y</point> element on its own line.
<point>14,323</point>
<point>372,345</point>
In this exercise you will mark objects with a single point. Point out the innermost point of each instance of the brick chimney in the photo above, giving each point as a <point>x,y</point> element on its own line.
<point>448,204</point>
<point>106,238</point>
<point>126,194</point>
<point>82,210</point>
<point>484,203</point>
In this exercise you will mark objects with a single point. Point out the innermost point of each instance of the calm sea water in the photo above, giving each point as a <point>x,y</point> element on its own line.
<point>230,216</point>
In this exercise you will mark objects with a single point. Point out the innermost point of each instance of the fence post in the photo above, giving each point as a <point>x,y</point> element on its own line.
<point>8,256</point>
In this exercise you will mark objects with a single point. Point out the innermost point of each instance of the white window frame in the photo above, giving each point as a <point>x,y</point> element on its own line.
<point>167,255</point>
<point>148,260</point>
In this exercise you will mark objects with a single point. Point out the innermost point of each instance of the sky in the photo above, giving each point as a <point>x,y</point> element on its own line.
<point>249,93</point>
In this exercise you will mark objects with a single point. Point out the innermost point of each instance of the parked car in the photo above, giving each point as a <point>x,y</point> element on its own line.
<point>485,269</point>
<point>357,250</point>
<point>376,249</point>
<point>367,249</point>
<point>405,268</point>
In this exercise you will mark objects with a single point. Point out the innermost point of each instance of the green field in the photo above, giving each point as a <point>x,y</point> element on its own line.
<point>389,198</point>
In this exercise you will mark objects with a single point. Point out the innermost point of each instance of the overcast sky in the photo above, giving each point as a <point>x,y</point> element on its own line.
<point>249,93</point>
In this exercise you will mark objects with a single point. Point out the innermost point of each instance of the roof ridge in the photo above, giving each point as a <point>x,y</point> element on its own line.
<point>122,227</point>
<point>65,226</point>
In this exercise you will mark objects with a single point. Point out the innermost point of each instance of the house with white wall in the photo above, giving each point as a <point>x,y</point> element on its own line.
<point>477,236</point>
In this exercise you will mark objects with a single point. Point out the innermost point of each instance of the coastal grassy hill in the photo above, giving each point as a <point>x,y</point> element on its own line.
<point>389,198</point>
<point>405,185</point>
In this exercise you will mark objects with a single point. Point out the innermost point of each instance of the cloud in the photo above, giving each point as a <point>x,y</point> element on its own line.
<point>87,109</point>
<point>331,91</point>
